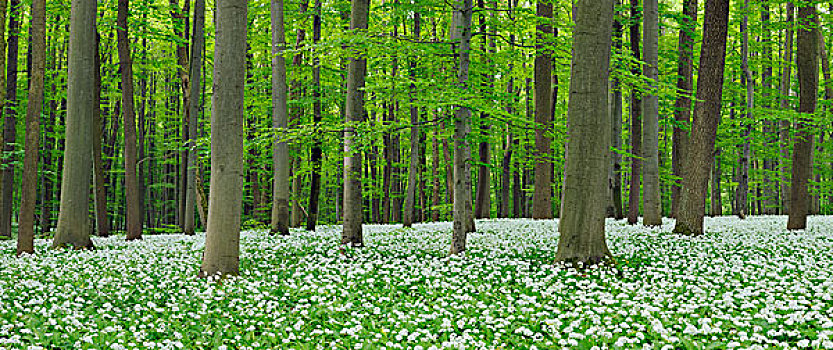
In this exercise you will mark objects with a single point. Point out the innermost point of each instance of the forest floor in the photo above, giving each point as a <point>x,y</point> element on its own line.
<point>745,284</point>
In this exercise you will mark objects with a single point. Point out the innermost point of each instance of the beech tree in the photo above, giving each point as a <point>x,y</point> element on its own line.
<point>582,222</point>
<point>222,239</point>
<point>542,198</point>
<point>806,58</point>
<point>651,199</point>
<point>354,107</point>
<point>26,220</point>
<point>463,215</point>
<point>73,229</point>
<point>280,152</point>
<point>700,148</point>
<point>131,180</point>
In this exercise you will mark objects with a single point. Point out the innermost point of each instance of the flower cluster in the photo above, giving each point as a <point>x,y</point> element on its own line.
<point>745,284</point>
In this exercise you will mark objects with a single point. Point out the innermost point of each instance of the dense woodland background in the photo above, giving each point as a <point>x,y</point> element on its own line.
<point>410,97</point>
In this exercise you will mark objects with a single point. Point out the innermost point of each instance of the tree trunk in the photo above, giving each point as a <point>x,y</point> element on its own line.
<point>413,167</point>
<point>700,149</point>
<point>222,239</point>
<point>354,107</point>
<point>542,197</point>
<point>636,121</point>
<point>73,230</point>
<point>682,107</point>
<point>808,83</point>
<point>26,221</point>
<point>435,194</point>
<point>10,124</point>
<point>784,130</point>
<point>3,8</point>
<point>742,191</point>
<point>280,151</point>
<point>294,119</point>
<point>315,151</point>
<point>194,94</point>
<point>651,199</point>
<point>463,216</point>
<point>102,220</point>
<point>582,220</point>
<point>131,182</point>
<point>770,185</point>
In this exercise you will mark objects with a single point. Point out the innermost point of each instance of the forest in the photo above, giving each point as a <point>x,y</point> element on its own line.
<point>416,174</point>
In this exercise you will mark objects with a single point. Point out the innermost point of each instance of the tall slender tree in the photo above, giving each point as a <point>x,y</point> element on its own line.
<point>682,107</point>
<point>807,61</point>
<point>10,121</point>
<point>131,179</point>
<point>225,199</point>
<point>636,118</point>
<point>784,103</point>
<point>413,167</point>
<point>463,213</point>
<point>280,151</point>
<point>26,221</point>
<point>315,151</point>
<point>700,148</point>
<point>194,94</point>
<point>542,197</point>
<point>73,229</point>
<point>651,198</point>
<point>582,222</point>
<point>742,191</point>
<point>354,107</point>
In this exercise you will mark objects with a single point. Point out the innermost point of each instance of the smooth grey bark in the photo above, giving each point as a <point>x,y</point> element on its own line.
<point>26,218</point>
<point>700,149</point>
<point>807,61</point>
<point>194,94</point>
<point>225,197</point>
<point>413,167</point>
<point>280,150</point>
<point>651,197</point>
<point>102,219</point>
<point>682,106</point>
<point>582,221</point>
<point>463,213</point>
<point>73,224</point>
<point>542,195</point>
<point>354,107</point>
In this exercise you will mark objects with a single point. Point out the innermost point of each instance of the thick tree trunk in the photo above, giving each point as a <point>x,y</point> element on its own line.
<point>194,94</point>
<point>413,167</point>
<point>807,61</point>
<point>26,220</point>
<point>463,215</point>
<point>222,239</point>
<point>315,151</point>
<point>682,107</point>
<point>131,180</point>
<point>73,229</point>
<point>784,127</point>
<point>582,220</point>
<point>280,151</point>
<point>636,121</point>
<point>742,191</point>
<point>542,197</point>
<point>10,122</point>
<point>354,107</point>
<point>651,199</point>
<point>700,149</point>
